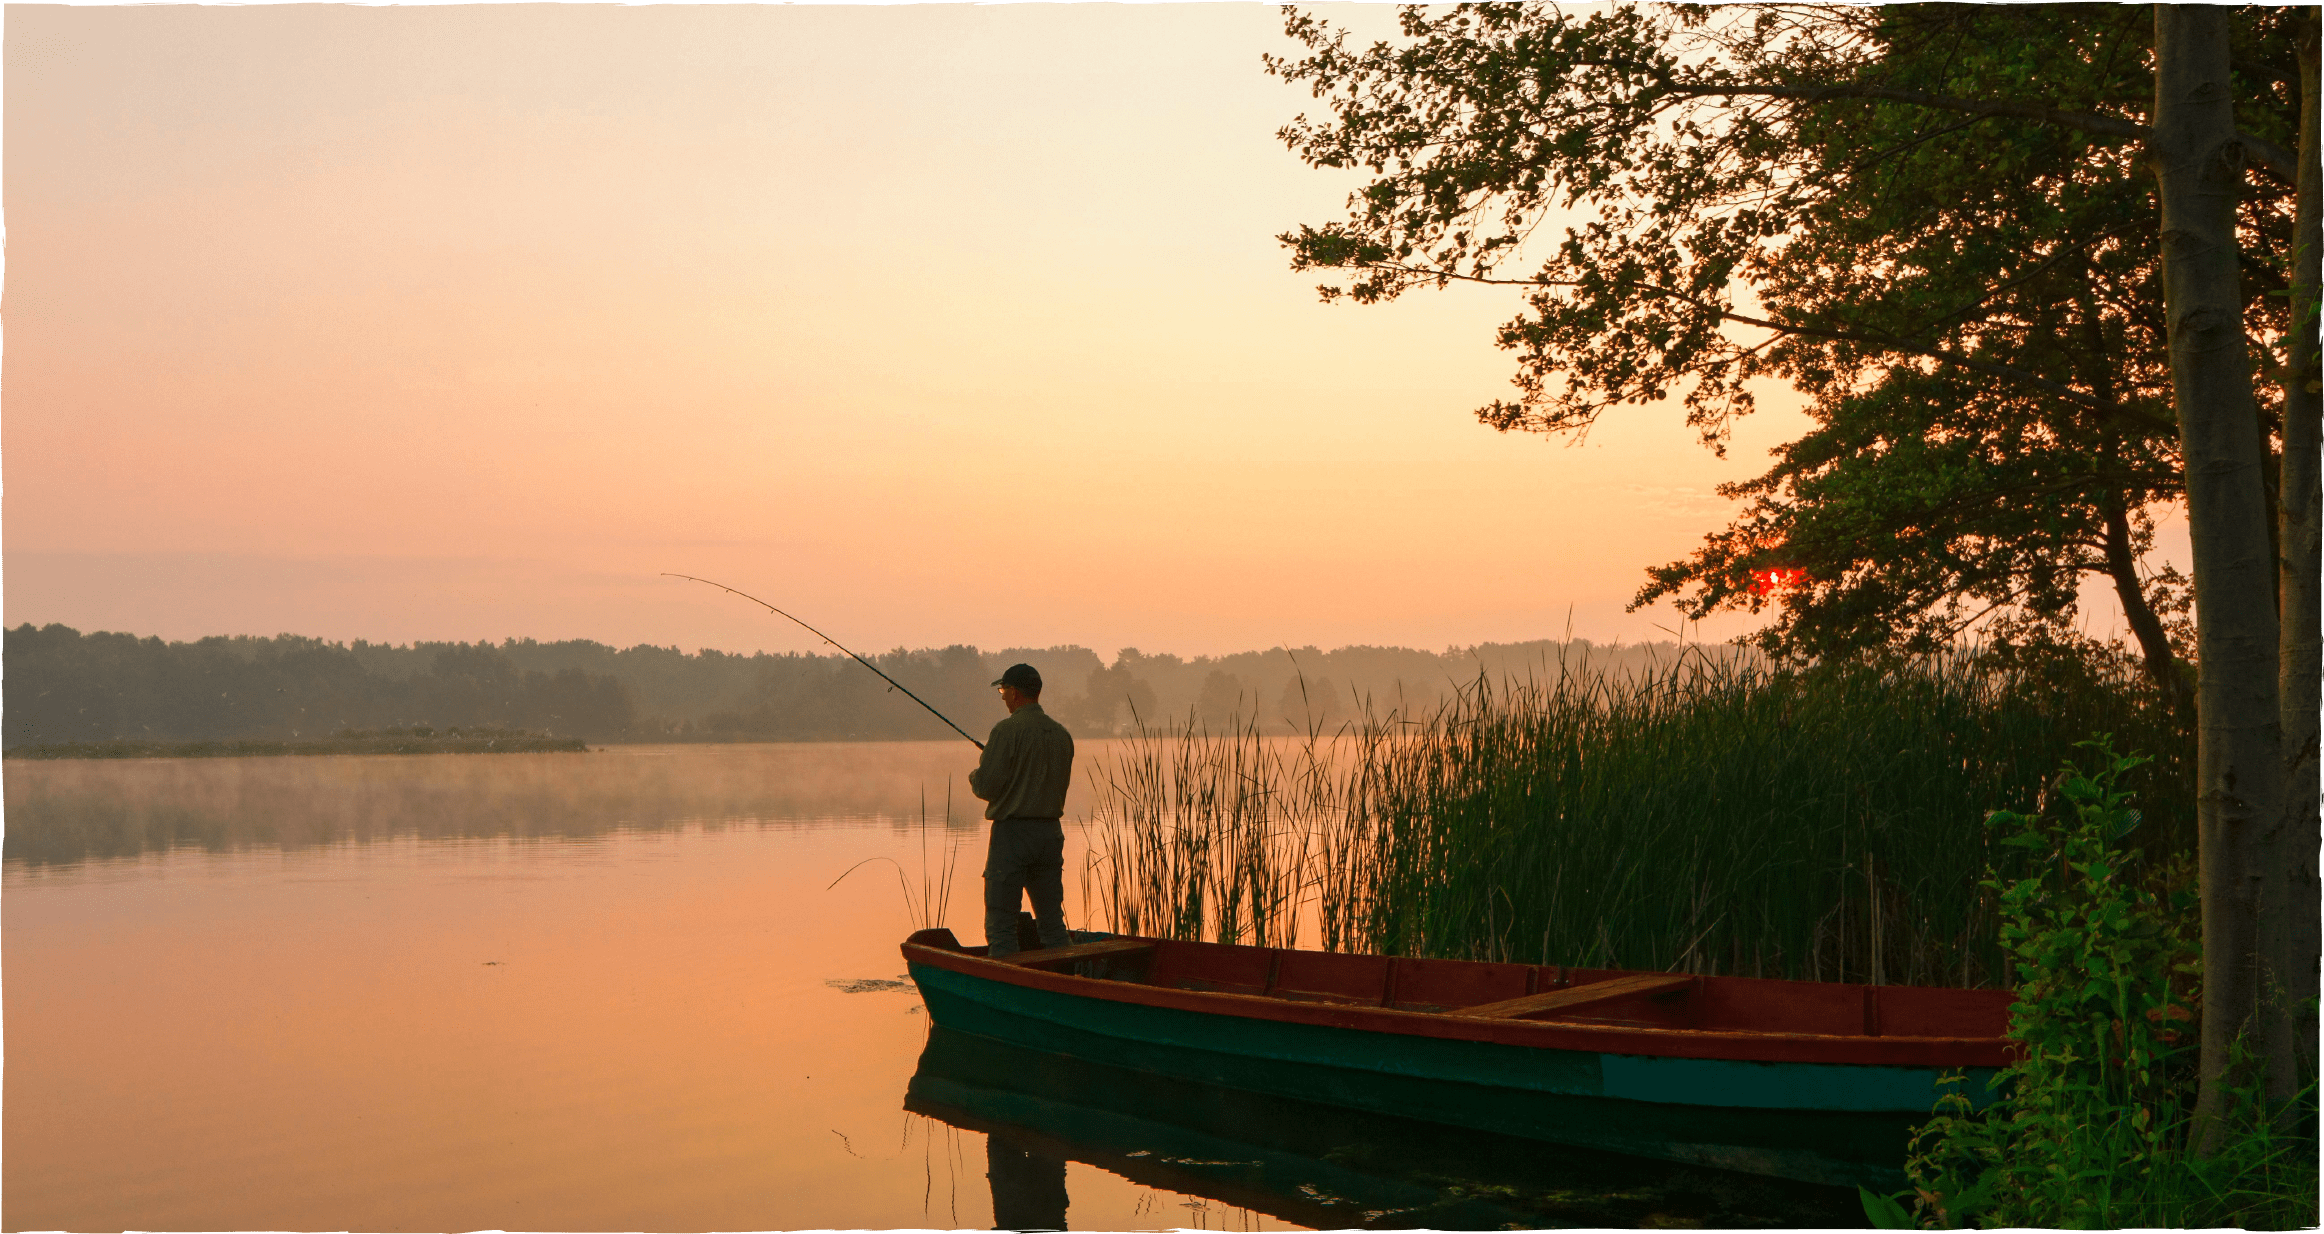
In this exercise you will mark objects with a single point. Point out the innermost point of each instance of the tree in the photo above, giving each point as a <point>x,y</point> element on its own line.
<point>2300,513</point>
<point>1114,696</point>
<point>1933,494</point>
<point>1309,706</point>
<point>1937,221</point>
<point>2198,169</point>
<point>1221,700</point>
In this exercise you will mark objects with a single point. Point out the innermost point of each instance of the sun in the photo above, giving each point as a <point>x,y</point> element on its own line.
<point>1768,580</point>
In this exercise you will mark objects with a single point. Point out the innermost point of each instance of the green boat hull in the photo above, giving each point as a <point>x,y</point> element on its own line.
<point>1836,1125</point>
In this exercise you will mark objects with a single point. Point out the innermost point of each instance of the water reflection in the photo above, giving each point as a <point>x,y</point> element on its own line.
<point>1316,1166</point>
<point>1028,1180</point>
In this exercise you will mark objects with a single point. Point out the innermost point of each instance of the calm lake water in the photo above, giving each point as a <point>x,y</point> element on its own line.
<point>616,991</point>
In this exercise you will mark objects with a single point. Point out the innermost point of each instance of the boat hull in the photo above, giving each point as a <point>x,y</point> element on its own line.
<point>1838,1124</point>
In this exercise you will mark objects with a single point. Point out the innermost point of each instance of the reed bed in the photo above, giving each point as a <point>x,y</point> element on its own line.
<point>1707,815</point>
<point>1202,835</point>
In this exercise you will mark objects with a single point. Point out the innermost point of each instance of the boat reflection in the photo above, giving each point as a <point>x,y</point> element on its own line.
<point>1306,1164</point>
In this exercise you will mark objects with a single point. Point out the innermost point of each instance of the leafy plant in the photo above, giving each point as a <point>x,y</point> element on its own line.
<point>2091,1128</point>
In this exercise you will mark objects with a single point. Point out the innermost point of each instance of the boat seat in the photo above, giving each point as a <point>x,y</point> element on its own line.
<point>1555,1001</point>
<point>1104,949</point>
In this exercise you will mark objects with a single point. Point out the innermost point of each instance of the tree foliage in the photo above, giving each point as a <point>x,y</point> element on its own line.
<point>63,686</point>
<point>1931,220</point>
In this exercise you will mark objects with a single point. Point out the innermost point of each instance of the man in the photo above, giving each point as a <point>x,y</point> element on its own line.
<point>1027,762</point>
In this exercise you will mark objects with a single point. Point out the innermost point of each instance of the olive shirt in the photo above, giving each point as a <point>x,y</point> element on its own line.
<point>1027,762</point>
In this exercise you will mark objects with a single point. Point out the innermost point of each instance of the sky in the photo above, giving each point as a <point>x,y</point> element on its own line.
<point>930,324</point>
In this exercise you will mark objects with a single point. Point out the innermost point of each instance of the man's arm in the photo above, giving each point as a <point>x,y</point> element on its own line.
<point>989,780</point>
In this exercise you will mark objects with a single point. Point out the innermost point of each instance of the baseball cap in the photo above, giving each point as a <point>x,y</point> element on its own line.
<point>1023,677</point>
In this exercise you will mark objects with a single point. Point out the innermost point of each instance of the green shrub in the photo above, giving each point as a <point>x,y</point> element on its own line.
<point>2091,1128</point>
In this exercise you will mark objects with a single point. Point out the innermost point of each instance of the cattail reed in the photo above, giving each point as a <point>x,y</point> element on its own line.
<point>1203,835</point>
<point>1708,815</point>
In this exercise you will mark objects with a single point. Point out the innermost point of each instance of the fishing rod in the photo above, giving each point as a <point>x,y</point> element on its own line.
<point>834,642</point>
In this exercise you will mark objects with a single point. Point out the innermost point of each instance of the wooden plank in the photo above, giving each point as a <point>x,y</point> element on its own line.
<point>1579,996</point>
<point>1104,949</point>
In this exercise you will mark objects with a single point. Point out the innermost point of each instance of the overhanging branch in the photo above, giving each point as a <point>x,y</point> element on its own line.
<point>2277,161</point>
<point>1878,342</point>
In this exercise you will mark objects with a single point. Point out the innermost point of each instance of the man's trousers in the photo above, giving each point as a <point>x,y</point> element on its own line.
<point>1027,856</point>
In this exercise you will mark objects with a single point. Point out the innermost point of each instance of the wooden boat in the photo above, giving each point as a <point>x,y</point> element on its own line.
<point>1815,1081</point>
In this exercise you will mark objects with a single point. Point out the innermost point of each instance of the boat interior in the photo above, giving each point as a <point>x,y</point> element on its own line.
<point>1538,992</point>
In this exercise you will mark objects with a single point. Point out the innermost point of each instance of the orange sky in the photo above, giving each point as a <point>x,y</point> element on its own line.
<point>932,324</point>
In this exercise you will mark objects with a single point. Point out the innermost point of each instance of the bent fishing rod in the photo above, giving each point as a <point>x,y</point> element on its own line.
<point>834,642</point>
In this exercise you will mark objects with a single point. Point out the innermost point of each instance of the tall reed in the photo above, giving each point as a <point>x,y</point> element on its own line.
<point>1208,835</point>
<point>927,909</point>
<point>1707,815</point>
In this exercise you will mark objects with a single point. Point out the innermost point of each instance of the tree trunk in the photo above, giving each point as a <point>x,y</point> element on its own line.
<point>2300,515</point>
<point>2162,666</point>
<point>2239,769</point>
<point>2272,476</point>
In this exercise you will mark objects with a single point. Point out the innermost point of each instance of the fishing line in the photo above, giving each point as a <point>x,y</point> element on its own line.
<point>834,642</point>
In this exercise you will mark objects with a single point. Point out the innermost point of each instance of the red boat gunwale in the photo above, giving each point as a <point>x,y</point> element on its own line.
<point>1707,1017</point>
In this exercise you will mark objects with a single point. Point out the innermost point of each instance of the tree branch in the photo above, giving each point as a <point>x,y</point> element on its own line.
<point>2276,160</point>
<point>2039,268</point>
<point>1986,367</point>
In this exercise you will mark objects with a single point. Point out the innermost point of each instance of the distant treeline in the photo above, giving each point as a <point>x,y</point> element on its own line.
<point>420,740</point>
<point>63,686</point>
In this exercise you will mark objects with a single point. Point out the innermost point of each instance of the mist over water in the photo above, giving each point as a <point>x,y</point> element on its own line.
<point>73,810</point>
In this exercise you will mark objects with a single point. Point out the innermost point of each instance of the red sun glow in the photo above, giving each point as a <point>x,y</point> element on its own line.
<point>1772,579</point>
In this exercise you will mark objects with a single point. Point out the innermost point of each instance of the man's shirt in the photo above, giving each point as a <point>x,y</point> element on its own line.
<point>1027,763</point>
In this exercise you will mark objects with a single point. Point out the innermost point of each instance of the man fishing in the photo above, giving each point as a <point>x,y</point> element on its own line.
<point>1027,763</point>
<point>1022,777</point>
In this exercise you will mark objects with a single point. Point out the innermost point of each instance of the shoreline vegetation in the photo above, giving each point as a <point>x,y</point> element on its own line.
<point>1877,821</point>
<point>419,740</point>
<point>1705,816</point>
